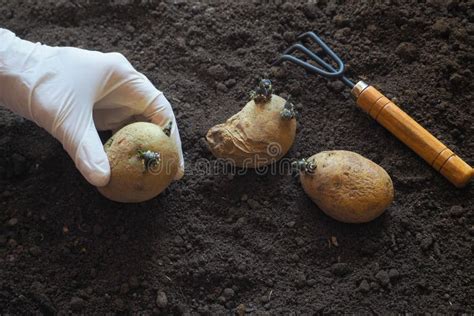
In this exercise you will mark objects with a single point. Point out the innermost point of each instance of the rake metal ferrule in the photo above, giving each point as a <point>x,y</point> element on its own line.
<point>358,88</point>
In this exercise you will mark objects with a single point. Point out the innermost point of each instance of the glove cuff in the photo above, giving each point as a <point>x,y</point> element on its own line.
<point>16,57</point>
<point>16,54</point>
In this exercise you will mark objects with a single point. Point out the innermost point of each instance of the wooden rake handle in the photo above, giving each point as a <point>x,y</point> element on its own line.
<point>412,134</point>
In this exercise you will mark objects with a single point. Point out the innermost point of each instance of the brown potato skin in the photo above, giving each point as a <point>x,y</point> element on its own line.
<point>130,182</point>
<point>254,137</point>
<point>347,186</point>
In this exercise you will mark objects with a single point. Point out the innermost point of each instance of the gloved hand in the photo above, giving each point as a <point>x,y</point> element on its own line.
<point>73,92</point>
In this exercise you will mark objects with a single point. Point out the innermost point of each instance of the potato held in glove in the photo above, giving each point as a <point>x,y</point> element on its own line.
<point>346,186</point>
<point>143,162</point>
<point>260,134</point>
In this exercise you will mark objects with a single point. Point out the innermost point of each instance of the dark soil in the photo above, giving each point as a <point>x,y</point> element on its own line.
<point>216,244</point>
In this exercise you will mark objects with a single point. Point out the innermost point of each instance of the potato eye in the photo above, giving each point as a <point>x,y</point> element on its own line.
<point>150,159</point>
<point>263,92</point>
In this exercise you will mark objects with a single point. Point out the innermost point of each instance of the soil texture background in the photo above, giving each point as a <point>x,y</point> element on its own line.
<point>220,244</point>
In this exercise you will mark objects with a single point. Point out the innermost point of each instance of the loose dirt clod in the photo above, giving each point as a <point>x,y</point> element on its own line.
<point>260,134</point>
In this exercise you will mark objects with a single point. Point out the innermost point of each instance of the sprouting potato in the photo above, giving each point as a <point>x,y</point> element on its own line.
<point>260,134</point>
<point>346,186</point>
<point>143,162</point>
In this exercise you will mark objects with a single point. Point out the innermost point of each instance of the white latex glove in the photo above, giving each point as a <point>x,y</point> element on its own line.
<point>73,92</point>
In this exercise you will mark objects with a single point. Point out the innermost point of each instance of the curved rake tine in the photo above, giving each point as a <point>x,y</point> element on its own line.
<point>299,62</point>
<point>325,69</point>
<point>321,43</point>
<point>331,73</point>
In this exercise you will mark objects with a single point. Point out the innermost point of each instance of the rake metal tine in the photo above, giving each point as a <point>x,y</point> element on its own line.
<point>331,73</point>
<point>324,46</point>
<point>299,62</point>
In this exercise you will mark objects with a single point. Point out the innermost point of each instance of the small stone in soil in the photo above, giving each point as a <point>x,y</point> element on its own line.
<point>124,288</point>
<point>253,204</point>
<point>309,10</point>
<point>407,51</point>
<point>471,230</point>
<point>35,251</point>
<point>228,293</point>
<point>456,211</point>
<point>301,280</point>
<point>178,240</point>
<point>288,6</point>
<point>456,79</point>
<point>240,222</point>
<point>342,34</point>
<point>265,298</point>
<point>383,277</point>
<point>150,66</point>
<point>336,85</point>
<point>374,285</point>
<point>119,304</point>
<point>230,83</point>
<point>278,72</point>
<point>77,304</point>
<point>161,299</point>
<point>295,258</point>
<point>364,286</point>
<point>129,28</point>
<point>426,243</point>
<point>311,282</point>
<point>441,27</point>
<point>289,36</point>
<point>340,20</point>
<point>221,87</point>
<point>240,310</point>
<point>393,274</point>
<point>12,221</point>
<point>12,243</point>
<point>218,72</point>
<point>299,241</point>
<point>340,269</point>
<point>9,14</point>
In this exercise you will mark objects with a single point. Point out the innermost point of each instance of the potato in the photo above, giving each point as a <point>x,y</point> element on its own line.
<point>143,162</point>
<point>260,134</point>
<point>346,186</point>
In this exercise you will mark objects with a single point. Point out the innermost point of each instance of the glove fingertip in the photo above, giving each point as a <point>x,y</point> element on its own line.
<point>91,159</point>
<point>98,179</point>
<point>95,168</point>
